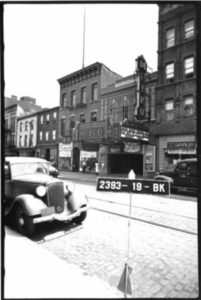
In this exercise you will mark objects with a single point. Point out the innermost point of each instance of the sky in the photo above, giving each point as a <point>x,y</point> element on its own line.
<point>45,42</point>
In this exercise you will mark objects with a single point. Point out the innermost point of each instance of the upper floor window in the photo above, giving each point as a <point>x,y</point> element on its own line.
<point>94,116</point>
<point>72,121</point>
<point>170,37</point>
<point>6,123</point>
<point>31,139</point>
<point>54,134</point>
<point>189,29</point>
<point>82,118</point>
<point>188,106</point>
<point>41,135</point>
<point>20,141</point>
<point>94,94</point>
<point>73,98</point>
<point>169,72</point>
<point>62,127</point>
<point>47,118</point>
<point>31,124</point>
<point>64,100</point>
<point>26,141</point>
<point>21,125</point>
<point>41,119</point>
<point>189,67</point>
<point>54,115</point>
<point>83,95</point>
<point>169,109</point>
<point>47,135</point>
<point>12,123</point>
<point>26,126</point>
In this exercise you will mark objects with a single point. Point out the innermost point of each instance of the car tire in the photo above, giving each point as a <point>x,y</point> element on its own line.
<point>80,218</point>
<point>24,223</point>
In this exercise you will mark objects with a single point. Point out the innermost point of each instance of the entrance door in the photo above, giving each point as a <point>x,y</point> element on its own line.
<point>123,163</point>
<point>47,154</point>
<point>76,159</point>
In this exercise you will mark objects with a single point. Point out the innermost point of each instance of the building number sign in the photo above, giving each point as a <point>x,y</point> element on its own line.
<point>143,186</point>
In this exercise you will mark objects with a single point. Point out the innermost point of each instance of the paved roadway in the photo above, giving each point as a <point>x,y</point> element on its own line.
<point>163,243</point>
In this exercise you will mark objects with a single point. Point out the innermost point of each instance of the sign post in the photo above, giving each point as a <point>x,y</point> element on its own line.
<point>131,185</point>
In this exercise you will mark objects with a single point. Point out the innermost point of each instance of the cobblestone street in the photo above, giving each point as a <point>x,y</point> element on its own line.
<point>163,261</point>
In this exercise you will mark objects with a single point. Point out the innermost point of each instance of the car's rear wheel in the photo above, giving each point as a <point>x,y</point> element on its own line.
<point>24,222</point>
<point>80,218</point>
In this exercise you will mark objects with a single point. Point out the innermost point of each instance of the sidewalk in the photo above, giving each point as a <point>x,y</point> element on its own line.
<point>33,272</point>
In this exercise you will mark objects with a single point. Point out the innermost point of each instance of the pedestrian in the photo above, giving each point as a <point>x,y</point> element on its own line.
<point>84,165</point>
<point>96,168</point>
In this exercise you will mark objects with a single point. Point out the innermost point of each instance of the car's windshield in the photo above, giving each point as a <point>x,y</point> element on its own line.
<point>29,168</point>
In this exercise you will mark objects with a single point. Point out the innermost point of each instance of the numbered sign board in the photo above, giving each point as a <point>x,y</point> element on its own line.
<point>143,186</point>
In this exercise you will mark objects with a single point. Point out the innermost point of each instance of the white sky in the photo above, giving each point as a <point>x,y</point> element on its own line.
<point>45,42</point>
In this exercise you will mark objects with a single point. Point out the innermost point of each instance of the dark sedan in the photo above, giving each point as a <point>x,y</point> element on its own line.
<point>183,177</point>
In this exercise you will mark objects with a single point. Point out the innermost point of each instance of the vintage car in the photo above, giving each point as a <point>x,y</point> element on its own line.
<point>183,177</point>
<point>52,170</point>
<point>33,196</point>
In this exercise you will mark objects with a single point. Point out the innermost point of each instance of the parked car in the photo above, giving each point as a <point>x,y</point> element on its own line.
<point>32,196</point>
<point>183,177</point>
<point>52,170</point>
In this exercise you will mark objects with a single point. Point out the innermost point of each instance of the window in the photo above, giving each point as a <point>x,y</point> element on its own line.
<point>41,135</point>
<point>12,139</point>
<point>189,29</point>
<point>63,121</point>
<point>31,140</point>
<point>54,134</point>
<point>169,72</point>
<point>170,37</point>
<point>13,123</point>
<point>47,118</point>
<point>54,115</point>
<point>21,126</point>
<point>83,95</point>
<point>64,100</point>
<point>47,135</point>
<point>6,123</point>
<point>93,116</point>
<point>73,98</point>
<point>188,106</point>
<point>26,141</point>
<point>72,121</point>
<point>41,119</point>
<point>82,118</point>
<point>31,125</point>
<point>20,141</point>
<point>169,109</point>
<point>94,92</point>
<point>189,67</point>
<point>26,126</point>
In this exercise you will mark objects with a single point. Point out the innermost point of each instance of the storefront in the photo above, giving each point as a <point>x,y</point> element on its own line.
<point>48,152</point>
<point>174,148</point>
<point>65,156</point>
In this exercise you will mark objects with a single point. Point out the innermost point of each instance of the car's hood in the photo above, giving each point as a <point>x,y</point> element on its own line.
<point>166,173</point>
<point>36,178</point>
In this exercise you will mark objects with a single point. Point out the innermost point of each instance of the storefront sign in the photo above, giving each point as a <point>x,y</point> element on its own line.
<point>91,133</point>
<point>87,154</point>
<point>132,147</point>
<point>65,150</point>
<point>181,148</point>
<point>135,134</point>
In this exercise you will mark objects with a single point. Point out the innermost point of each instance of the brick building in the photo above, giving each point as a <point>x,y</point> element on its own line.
<point>47,134</point>
<point>175,128</point>
<point>15,108</point>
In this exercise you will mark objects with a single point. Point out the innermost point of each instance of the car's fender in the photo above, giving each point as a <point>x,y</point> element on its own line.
<point>163,177</point>
<point>76,199</point>
<point>31,204</point>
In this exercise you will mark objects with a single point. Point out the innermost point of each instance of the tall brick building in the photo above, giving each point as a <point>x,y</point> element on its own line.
<point>175,127</point>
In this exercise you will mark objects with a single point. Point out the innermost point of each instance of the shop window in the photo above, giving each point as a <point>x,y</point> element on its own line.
<point>169,72</point>
<point>170,37</point>
<point>54,134</point>
<point>83,95</point>
<point>41,135</point>
<point>82,118</point>
<point>169,109</point>
<point>94,95</point>
<point>189,29</point>
<point>188,106</point>
<point>93,116</point>
<point>189,67</point>
<point>73,98</point>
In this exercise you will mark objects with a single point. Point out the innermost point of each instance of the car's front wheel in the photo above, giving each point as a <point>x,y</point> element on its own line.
<point>80,218</point>
<point>24,223</point>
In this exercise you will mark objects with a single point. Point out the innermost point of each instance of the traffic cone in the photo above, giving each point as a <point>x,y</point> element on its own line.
<point>125,284</point>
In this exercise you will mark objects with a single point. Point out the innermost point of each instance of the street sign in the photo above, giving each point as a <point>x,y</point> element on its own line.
<point>141,186</point>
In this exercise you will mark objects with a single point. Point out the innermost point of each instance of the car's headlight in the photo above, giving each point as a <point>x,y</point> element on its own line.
<point>41,191</point>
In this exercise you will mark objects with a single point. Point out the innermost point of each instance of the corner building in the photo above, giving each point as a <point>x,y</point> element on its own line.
<point>175,127</point>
